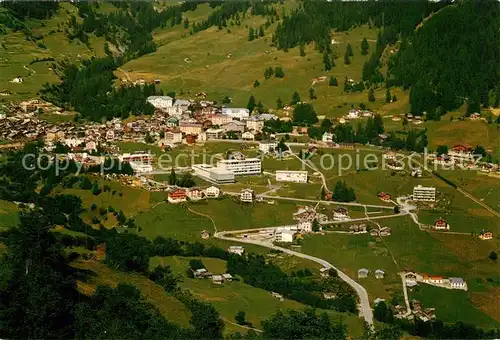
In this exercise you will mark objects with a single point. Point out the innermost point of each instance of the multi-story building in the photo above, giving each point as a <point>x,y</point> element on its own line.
<point>172,137</point>
<point>291,176</point>
<point>269,146</point>
<point>421,193</point>
<point>235,125</point>
<point>284,236</point>
<point>236,112</point>
<point>214,133</point>
<point>160,102</point>
<point>213,174</point>
<point>140,161</point>
<point>255,124</point>
<point>248,166</point>
<point>247,195</point>
<point>212,192</point>
<point>190,128</point>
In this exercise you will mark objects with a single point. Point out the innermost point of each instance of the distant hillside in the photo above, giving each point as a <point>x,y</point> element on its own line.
<point>452,58</point>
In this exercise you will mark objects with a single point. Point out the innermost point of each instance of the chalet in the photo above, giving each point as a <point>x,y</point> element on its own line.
<point>200,273</point>
<point>358,229</point>
<point>384,196</point>
<point>486,235</point>
<point>255,124</point>
<point>340,213</point>
<point>191,138</point>
<point>374,232</point>
<point>110,135</point>
<point>238,250</point>
<point>441,224</point>
<point>247,195</point>
<point>212,192</point>
<point>268,146</point>
<point>461,152</point>
<point>217,279</point>
<point>363,273</point>
<point>190,128</point>
<point>411,279</point>
<point>172,122</point>
<point>236,112</point>
<point>327,137</point>
<point>379,274</point>
<point>194,194</point>
<point>248,136</point>
<point>177,196</point>
<point>160,102</point>
<point>432,279</point>
<point>214,133</point>
<point>329,295</point>
<point>457,283</point>
<point>385,231</point>
<point>475,116</point>
<point>227,277</point>
<point>324,272</point>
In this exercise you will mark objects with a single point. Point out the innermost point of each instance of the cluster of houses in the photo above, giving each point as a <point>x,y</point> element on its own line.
<point>417,311</point>
<point>463,157</point>
<point>363,273</point>
<point>340,214</point>
<point>218,279</point>
<point>178,195</point>
<point>381,232</point>
<point>412,279</point>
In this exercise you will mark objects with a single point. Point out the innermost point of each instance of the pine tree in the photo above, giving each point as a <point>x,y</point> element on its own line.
<point>279,103</point>
<point>251,34</point>
<point>278,72</point>
<point>371,95</point>
<point>312,93</point>
<point>333,81</point>
<point>326,62</point>
<point>387,95</point>
<point>295,98</point>
<point>348,50</point>
<point>347,60</point>
<point>394,99</point>
<point>256,83</point>
<point>261,31</point>
<point>302,51</point>
<point>251,103</point>
<point>364,47</point>
<point>172,179</point>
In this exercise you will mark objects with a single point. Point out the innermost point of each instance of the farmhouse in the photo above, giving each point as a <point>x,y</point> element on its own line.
<point>379,274</point>
<point>217,279</point>
<point>291,176</point>
<point>411,279</point>
<point>227,277</point>
<point>247,195</point>
<point>432,279</point>
<point>177,196</point>
<point>385,231</point>
<point>194,194</point>
<point>486,235</point>
<point>384,196</point>
<point>461,152</point>
<point>340,213</point>
<point>421,193</point>
<point>457,283</point>
<point>441,224</point>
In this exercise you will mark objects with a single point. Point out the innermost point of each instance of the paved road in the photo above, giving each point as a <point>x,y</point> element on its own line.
<point>327,202</point>
<point>365,309</point>
<point>368,218</point>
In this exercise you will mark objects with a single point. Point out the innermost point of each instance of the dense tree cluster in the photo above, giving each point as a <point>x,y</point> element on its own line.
<point>462,37</point>
<point>342,193</point>
<point>304,114</point>
<point>256,272</point>
<point>89,90</point>
<point>30,9</point>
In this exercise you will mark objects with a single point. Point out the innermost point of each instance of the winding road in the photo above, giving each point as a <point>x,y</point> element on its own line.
<point>365,309</point>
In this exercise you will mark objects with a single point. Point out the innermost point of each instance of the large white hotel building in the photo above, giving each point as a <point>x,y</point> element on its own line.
<point>248,166</point>
<point>421,193</point>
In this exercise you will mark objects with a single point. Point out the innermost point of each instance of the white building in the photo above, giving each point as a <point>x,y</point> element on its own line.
<point>247,136</point>
<point>284,236</point>
<point>291,176</point>
<point>255,124</point>
<point>238,250</point>
<point>160,102</point>
<point>249,166</point>
<point>236,112</point>
<point>172,137</point>
<point>190,128</point>
<point>327,137</point>
<point>214,133</point>
<point>269,146</point>
<point>212,174</point>
<point>457,283</point>
<point>140,162</point>
<point>212,192</point>
<point>421,193</point>
<point>247,195</point>
<point>340,214</point>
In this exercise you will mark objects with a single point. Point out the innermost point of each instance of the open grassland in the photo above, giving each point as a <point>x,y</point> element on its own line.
<point>437,254</point>
<point>127,199</point>
<point>100,274</point>
<point>17,53</point>
<point>231,297</point>
<point>9,216</point>
<point>223,62</point>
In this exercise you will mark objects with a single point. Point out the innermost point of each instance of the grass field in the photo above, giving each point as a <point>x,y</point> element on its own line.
<point>412,249</point>
<point>17,53</point>
<point>9,216</point>
<point>231,297</point>
<point>170,307</point>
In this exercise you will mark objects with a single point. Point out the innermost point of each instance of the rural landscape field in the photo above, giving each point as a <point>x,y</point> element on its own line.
<point>292,169</point>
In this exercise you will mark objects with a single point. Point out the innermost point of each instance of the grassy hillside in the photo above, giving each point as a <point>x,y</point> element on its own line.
<point>224,62</point>
<point>18,55</point>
